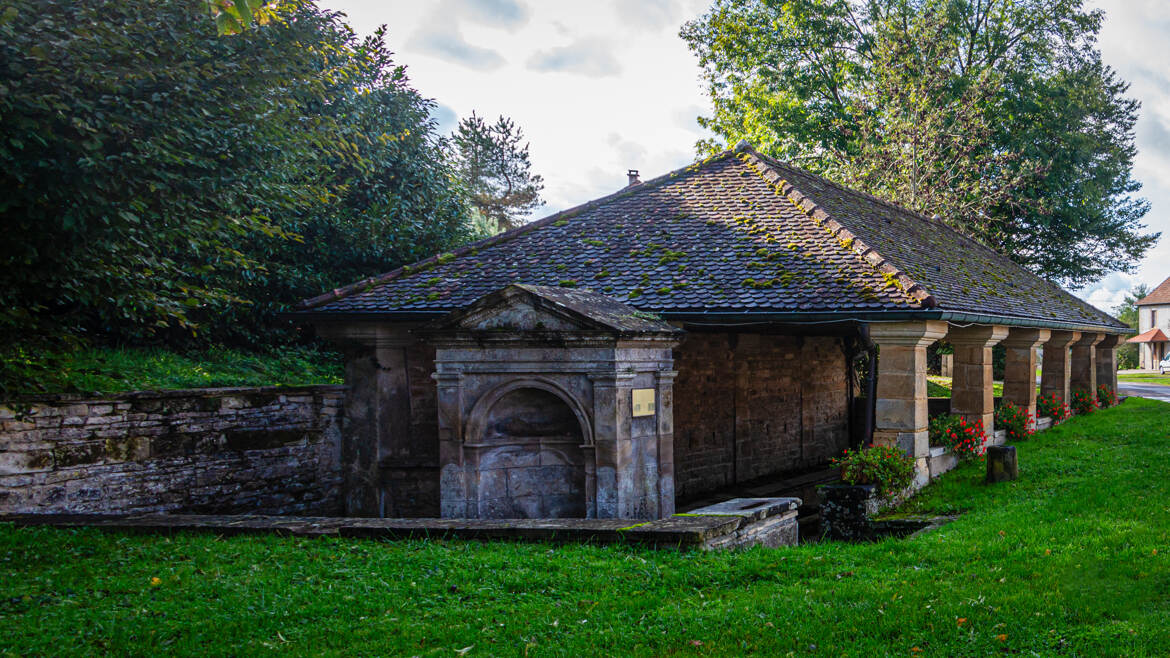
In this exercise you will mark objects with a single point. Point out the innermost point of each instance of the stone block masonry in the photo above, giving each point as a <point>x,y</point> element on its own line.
<point>212,451</point>
<point>752,405</point>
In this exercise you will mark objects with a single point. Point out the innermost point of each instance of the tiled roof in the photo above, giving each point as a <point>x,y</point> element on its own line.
<point>1154,335</point>
<point>960,273</point>
<point>1159,295</point>
<point>736,234</point>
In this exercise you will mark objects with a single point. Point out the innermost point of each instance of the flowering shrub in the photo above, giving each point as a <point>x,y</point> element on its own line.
<point>1106,397</point>
<point>889,469</point>
<point>1053,407</point>
<point>964,439</point>
<point>1014,420</point>
<point>1084,402</point>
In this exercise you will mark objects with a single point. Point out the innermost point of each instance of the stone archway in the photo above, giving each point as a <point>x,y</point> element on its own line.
<point>529,456</point>
<point>536,411</point>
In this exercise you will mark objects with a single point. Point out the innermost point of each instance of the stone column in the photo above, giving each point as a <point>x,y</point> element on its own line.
<point>616,461</point>
<point>664,383</point>
<point>456,500</point>
<point>1107,361</point>
<point>1054,375</point>
<point>971,393</point>
<point>1019,375</point>
<point>901,418</point>
<point>1083,362</point>
<point>377,408</point>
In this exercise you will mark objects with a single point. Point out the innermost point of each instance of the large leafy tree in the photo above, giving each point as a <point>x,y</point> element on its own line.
<point>1127,312</point>
<point>492,161</point>
<point>996,115</point>
<point>160,179</point>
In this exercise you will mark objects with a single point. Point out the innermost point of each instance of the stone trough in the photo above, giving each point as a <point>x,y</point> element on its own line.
<point>739,523</point>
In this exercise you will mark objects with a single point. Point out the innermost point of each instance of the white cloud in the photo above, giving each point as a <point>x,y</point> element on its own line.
<point>445,41</point>
<point>591,57</point>
<point>1110,291</point>
<point>1133,41</point>
<point>568,118</point>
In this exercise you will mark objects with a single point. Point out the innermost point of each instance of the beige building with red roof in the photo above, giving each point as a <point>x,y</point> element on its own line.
<point>1153,327</point>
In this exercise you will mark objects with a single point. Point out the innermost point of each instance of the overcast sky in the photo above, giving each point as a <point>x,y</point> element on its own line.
<point>604,86</point>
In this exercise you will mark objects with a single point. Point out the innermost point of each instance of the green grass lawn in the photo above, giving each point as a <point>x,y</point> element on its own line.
<point>1072,559</point>
<point>940,387</point>
<point>112,370</point>
<point>1145,378</point>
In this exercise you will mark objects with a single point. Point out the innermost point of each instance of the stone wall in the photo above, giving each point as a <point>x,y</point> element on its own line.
<point>235,450</point>
<point>750,405</point>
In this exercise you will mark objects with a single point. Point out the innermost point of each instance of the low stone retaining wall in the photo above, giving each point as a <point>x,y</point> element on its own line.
<point>262,450</point>
<point>769,522</point>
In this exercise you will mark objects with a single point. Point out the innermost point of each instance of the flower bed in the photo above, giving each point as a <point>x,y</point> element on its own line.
<point>1051,406</point>
<point>964,439</point>
<point>1084,402</point>
<point>1106,396</point>
<point>1017,423</point>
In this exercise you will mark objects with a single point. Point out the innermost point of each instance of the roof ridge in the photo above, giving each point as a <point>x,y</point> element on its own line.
<point>847,238</point>
<point>490,241</point>
<point>1157,292</point>
<point>872,197</point>
<point>935,221</point>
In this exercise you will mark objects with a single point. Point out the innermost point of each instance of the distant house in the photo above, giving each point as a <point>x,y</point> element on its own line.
<point>1153,326</point>
<point>687,334</point>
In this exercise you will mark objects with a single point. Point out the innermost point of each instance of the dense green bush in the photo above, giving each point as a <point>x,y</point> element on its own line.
<point>106,370</point>
<point>889,469</point>
<point>162,182</point>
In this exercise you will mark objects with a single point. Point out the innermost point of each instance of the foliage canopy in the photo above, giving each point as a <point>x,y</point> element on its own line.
<point>996,115</point>
<point>161,179</point>
<point>494,165</point>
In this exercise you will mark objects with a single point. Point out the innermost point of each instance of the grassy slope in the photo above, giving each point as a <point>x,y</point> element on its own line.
<point>940,387</point>
<point>113,370</point>
<point>1145,378</point>
<point>1073,558</point>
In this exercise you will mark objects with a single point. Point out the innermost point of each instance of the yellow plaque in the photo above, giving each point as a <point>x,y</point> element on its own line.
<point>643,402</point>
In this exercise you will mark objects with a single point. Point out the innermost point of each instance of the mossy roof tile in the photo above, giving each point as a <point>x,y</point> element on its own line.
<point>737,232</point>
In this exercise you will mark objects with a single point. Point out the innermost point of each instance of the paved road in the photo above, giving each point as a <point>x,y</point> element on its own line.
<point>1152,391</point>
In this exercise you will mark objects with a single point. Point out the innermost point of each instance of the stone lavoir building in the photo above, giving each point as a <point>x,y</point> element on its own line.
<point>684,334</point>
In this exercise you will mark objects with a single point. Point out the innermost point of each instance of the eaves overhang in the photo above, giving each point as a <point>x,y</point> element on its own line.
<point>761,316</point>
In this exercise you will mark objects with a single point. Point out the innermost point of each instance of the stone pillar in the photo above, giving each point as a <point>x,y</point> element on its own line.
<point>1019,375</point>
<point>1107,361</point>
<point>971,393</point>
<point>377,409</point>
<point>1083,362</point>
<point>616,459</point>
<point>1054,375</point>
<point>457,497</point>
<point>901,418</point>
<point>664,384</point>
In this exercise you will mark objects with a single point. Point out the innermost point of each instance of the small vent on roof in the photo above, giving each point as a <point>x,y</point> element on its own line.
<point>632,174</point>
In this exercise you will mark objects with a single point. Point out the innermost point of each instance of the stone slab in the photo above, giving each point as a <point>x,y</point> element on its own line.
<point>751,509</point>
<point>687,531</point>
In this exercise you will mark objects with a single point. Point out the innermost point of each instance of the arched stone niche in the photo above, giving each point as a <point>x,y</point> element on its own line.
<point>535,405</point>
<point>526,444</point>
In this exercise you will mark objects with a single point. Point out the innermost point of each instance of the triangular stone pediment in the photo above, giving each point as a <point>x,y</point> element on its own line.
<point>518,315</point>
<point>524,308</point>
